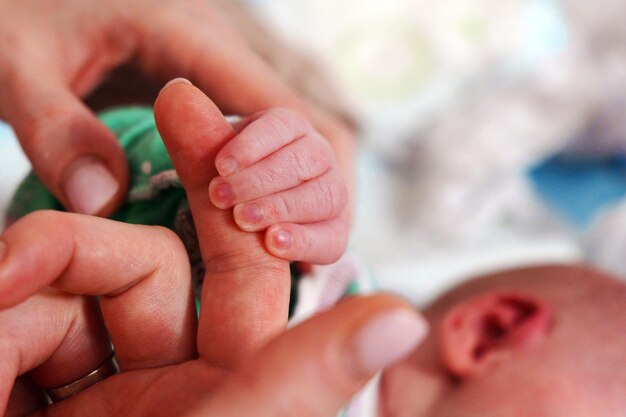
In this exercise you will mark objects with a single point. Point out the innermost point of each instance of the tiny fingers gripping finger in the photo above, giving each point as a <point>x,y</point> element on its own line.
<point>318,243</point>
<point>320,199</point>
<point>302,160</point>
<point>266,133</point>
<point>338,351</point>
<point>246,290</point>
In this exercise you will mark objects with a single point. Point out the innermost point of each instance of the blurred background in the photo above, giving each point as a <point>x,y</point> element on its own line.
<point>491,133</point>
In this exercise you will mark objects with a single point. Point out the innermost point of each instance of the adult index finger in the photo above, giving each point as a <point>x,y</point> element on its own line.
<point>246,290</point>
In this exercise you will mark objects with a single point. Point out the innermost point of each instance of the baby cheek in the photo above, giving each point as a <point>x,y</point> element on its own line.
<point>404,391</point>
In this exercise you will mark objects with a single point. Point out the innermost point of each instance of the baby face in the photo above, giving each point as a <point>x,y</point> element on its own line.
<point>539,342</point>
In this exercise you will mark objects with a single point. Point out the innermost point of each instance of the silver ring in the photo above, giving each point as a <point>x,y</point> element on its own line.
<point>108,368</point>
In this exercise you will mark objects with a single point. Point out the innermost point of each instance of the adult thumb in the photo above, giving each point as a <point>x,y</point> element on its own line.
<point>72,152</point>
<point>313,369</point>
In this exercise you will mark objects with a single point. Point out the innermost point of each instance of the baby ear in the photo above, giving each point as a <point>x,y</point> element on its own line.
<point>483,329</point>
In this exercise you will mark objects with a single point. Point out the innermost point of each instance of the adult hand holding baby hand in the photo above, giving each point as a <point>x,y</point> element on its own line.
<point>56,51</point>
<point>145,298</point>
<point>234,362</point>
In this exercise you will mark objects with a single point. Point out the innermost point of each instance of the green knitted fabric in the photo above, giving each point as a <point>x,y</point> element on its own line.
<point>155,194</point>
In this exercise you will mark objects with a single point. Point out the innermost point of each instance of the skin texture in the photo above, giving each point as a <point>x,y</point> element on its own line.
<point>229,362</point>
<point>278,171</point>
<point>81,45</point>
<point>569,365</point>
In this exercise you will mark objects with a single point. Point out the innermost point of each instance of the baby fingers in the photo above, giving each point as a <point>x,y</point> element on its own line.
<point>317,243</point>
<point>322,198</point>
<point>259,136</point>
<point>300,161</point>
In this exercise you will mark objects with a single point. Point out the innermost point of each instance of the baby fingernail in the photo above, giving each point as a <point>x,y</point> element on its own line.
<point>282,239</point>
<point>223,195</point>
<point>388,338</point>
<point>227,166</point>
<point>90,186</point>
<point>249,214</point>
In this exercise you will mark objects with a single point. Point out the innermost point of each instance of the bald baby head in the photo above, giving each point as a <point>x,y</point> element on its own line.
<point>544,341</point>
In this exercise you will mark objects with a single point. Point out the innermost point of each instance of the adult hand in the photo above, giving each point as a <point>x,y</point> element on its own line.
<point>142,276</point>
<point>310,370</point>
<point>55,51</point>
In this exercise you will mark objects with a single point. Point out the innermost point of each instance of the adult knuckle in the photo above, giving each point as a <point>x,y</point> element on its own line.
<point>42,129</point>
<point>170,241</point>
<point>241,260</point>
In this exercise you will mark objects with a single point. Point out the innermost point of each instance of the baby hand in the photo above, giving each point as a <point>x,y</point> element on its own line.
<point>281,175</point>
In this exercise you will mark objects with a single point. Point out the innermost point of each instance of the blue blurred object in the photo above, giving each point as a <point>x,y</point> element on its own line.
<point>577,188</point>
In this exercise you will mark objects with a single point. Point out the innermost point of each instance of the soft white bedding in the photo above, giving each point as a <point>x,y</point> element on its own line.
<point>13,167</point>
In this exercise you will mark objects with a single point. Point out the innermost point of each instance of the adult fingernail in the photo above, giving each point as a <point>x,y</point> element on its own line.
<point>227,166</point>
<point>179,80</point>
<point>90,186</point>
<point>388,338</point>
<point>282,239</point>
<point>248,215</point>
<point>222,194</point>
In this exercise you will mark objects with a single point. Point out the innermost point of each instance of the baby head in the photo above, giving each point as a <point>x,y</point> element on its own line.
<point>545,341</point>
